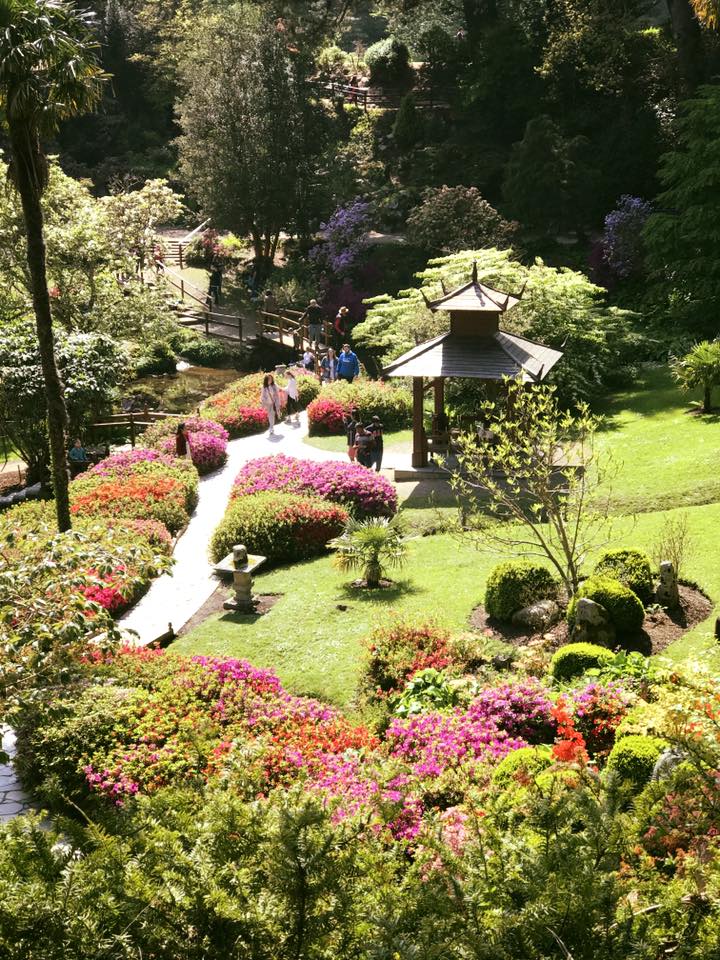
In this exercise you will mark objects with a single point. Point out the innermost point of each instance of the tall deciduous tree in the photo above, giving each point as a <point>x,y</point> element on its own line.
<point>47,75</point>
<point>683,235</point>
<point>251,132</point>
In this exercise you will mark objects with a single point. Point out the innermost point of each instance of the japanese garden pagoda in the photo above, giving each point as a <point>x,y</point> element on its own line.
<point>474,347</point>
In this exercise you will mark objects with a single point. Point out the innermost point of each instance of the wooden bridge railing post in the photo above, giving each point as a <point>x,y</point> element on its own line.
<point>280,328</point>
<point>208,314</point>
<point>180,255</point>
<point>132,430</point>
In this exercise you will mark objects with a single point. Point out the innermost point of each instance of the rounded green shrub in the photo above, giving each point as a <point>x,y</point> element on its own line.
<point>529,760</point>
<point>624,608</point>
<point>634,757</point>
<point>389,62</point>
<point>284,527</point>
<point>574,659</point>
<point>516,584</point>
<point>631,567</point>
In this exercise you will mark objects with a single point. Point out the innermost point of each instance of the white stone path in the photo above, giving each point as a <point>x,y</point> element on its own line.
<point>177,595</point>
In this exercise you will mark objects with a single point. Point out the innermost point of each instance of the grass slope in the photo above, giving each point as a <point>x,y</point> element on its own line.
<point>669,460</point>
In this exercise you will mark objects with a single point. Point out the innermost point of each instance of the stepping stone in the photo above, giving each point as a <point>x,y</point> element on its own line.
<point>10,809</point>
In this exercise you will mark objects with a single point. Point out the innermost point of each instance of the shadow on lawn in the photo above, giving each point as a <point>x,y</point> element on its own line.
<point>399,588</point>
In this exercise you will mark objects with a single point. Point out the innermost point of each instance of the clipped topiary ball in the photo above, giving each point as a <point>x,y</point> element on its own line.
<point>624,608</point>
<point>574,659</point>
<point>516,584</point>
<point>529,760</point>
<point>631,567</point>
<point>634,758</point>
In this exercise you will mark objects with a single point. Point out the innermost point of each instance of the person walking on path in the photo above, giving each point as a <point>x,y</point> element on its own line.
<point>365,446</point>
<point>348,365</point>
<point>270,401</point>
<point>215,287</point>
<point>313,314</point>
<point>341,326</point>
<point>308,360</point>
<point>376,429</point>
<point>293,397</point>
<point>350,425</point>
<point>182,441</point>
<point>328,366</point>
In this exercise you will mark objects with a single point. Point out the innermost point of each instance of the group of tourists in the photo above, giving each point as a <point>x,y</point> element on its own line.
<point>271,401</point>
<point>313,316</point>
<point>342,366</point>
<point>364,441</point>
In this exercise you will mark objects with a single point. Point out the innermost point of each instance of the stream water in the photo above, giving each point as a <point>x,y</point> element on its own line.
<point>182,391</point>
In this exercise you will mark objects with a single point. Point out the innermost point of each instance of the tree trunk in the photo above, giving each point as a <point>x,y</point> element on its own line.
<point>688,37</point>
<point>25,151</point>
<point>707,399</point>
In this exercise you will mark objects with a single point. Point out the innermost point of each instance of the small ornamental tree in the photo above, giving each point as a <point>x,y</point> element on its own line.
<point>535,490</point>
<point>699,368</point>
<point>450,219</point>
<point>370,546</point>
<point>134,218</point>
<point>345,238</point>
<point>91,366</point>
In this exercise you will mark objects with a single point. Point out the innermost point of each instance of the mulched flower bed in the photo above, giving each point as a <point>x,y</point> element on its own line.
<point>660,628</point>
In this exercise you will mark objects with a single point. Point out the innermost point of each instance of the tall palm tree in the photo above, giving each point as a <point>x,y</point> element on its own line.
<point>47,74</point>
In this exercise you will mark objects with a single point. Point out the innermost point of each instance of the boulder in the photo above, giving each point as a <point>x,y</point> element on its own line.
<point>667,593</point>
<point>592,624</point>
<point>538,616</point>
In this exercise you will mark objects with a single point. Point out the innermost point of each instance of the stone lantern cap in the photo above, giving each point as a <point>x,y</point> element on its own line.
<point>239,561</point>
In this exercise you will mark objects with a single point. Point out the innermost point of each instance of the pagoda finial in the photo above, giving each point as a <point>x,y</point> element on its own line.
<point>519,296</point>
<point>427,302</point>
<point>444,288</point>
<point>474,272</point>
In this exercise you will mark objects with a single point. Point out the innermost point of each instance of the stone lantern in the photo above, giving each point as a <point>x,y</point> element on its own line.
<point>241,566</point>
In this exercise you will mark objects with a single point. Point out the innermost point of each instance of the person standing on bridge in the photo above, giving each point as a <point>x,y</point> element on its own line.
<point>216,277</point>
<point>313,314</point>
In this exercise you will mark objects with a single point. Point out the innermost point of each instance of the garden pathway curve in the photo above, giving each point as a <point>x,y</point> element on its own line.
<point>176,596</point>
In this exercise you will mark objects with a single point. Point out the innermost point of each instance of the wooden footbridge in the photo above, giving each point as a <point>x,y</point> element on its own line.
<point>197,309</point>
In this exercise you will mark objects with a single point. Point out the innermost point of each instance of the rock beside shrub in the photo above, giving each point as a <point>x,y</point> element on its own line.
<point>631,567</point>
<point>284,527</point>
<point>624,608</point>
<point>634,758</point>
<point>516,584</point>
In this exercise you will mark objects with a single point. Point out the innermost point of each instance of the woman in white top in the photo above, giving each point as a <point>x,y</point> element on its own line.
<point>293,396</point>
<point>270,401</point>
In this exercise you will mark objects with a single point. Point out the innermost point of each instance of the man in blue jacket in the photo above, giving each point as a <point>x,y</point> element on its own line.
<point>348,365</point>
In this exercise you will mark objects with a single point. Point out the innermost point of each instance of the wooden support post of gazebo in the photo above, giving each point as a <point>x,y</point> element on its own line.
<point>419,452</point>
<point>474,347</point>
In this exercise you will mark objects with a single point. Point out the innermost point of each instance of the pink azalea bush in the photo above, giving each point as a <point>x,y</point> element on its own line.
<point>208,441</point>
<point>363,492</point>
<point>522,709</point>
<point>126,461</point>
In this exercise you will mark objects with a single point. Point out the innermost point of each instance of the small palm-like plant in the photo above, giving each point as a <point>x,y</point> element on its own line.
<point>699,368</point>
<point>371,546</point>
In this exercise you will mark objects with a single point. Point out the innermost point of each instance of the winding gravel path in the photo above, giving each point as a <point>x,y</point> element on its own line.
<point>177,595</point>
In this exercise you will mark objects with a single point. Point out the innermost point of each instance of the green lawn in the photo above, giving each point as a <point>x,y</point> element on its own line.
<point>670,457</point>
<point>394,440</point>
<point>670,460</point>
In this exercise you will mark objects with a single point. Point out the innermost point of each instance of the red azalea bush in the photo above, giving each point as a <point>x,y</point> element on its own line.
<point>369,397</point>
<point>360,490</point>
<point>137,485</point>
<point>399,650</point>
<point>284,527</point>
<point>238,410</point>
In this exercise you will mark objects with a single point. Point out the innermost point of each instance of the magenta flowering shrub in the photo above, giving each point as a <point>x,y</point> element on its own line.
<point>126,460</point>
<point>351,485</point>
<point>521,709</point>
<point>598,710</point>
<point>208,441</point>
<point>435,742</point>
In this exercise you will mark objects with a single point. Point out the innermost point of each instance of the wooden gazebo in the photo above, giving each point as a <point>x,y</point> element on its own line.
<point>474,347</point>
